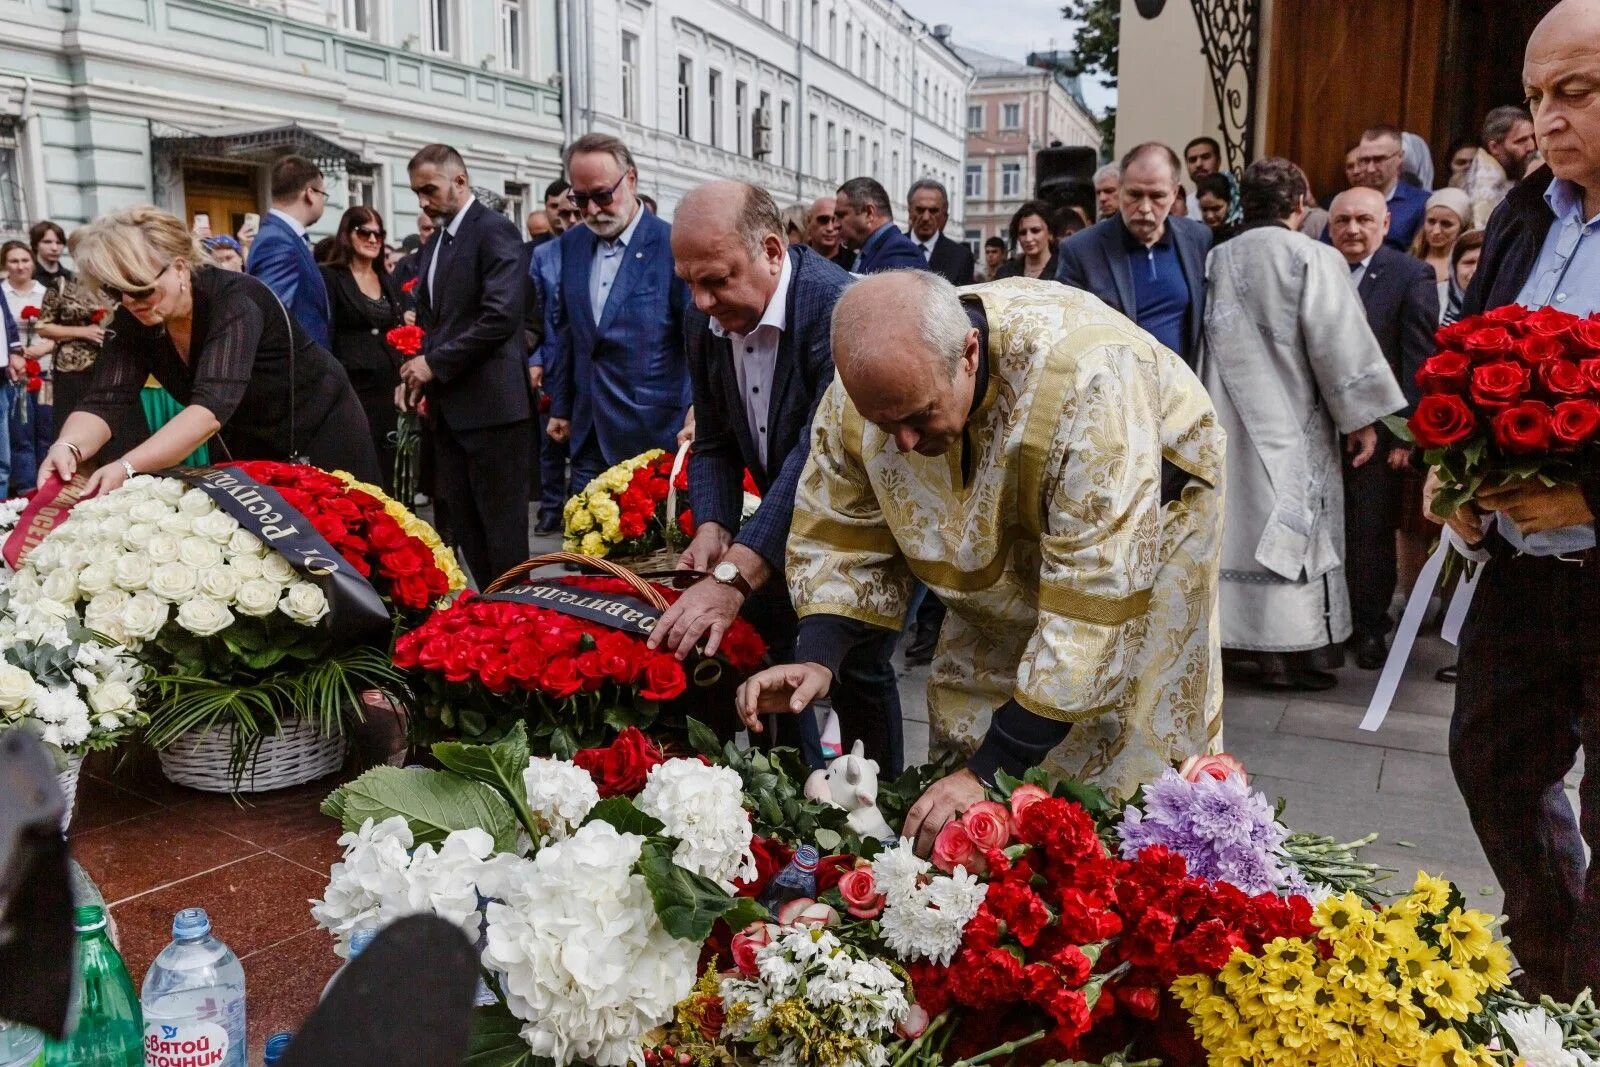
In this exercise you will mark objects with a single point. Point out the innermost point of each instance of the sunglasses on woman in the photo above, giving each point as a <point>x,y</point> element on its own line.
<point>118,295</point>
<point>602,197</point>
<point>371,233</point>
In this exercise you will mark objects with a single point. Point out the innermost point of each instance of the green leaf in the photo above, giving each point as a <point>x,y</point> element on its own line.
<point>562,744</point>
<point>1398,427</point>
<point>499,765</point>
<point>689,904</point>
<point>622,716</point>
<point>432,802</point>
<point>703,739</point>
<point>827,840</point>
<point>620,812</point>
<point>497,1041</point>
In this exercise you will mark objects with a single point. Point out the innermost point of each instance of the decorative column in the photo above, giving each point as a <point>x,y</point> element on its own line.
<point>1230,36</point>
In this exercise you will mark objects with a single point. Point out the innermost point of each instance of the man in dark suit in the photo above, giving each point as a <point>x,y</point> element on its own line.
<point>929,207</point>
<point>1143,261</point>
<point>473,368</point>
<point>281,253</point>
<point>822,233</point>
<point>618,385</point>
<point>1376,164</point>
<point>1402,303</point>
<point>409,268</point>
<point>761,358</point>
<point>866,222</point>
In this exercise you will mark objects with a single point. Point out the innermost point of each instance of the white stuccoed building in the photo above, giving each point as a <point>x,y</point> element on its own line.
<point>793,95</point>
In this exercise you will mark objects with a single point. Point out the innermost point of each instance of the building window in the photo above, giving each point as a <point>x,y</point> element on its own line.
<point>848,160</point>
<point>833,35</point>
<point>833,152</point>
<point>816,24</point>
<point>974,242</point>
<point>877,158</point>
<point>975,117</point>
<point>1011,179</point>
<point>762,125</point>
<point>714,107</point>
<point>511,35</point>
<point>849,32</point>
<point>783,13</point>
<point>358,17</point>
<point>811,146</point>
<point>516,202</point>
<point>861,153</point>
<point>685,97</point>
<point>11,220</point>
<point>361,188</point>
<point>863,70</point>
<point>894,167</point>
<point>974,184</point>
<point>741,118</point>
<point>766,10</point>
<point>783,134</point>
<point>1011,116</point>
<point>438,17</point>
<point>631,79</point>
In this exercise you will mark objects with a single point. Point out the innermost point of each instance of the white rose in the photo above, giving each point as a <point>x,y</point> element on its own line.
<point>143,616</point>
<point>257,597</point>
<point>112,698</point>
<point>168,490</point>
<point>174,582</point>
<point>219,583</point>
<point>305,604</point>
<point>104,610</point>
<point>16,687</point>
<point>245,543</point>
<point>195,502</point>
<point>163,548</point>
<point>136,536</point>
<point>61,585</point>
<point>96,578</point>
<point>177,524</point>
<point>46,556</point>
<point>276,569</point>
<point>112,527</point>
<point>199,553</point>
<point>150,511</point>
<point>132,572</point>
<point>203,617</point>
<point>215,526</point>
<point>246,567</point>
<point>76,556</point>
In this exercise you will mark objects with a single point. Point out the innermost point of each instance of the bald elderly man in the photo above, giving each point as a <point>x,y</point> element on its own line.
<point>1055,478</point>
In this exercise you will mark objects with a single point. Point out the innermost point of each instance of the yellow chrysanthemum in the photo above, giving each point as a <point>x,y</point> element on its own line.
<point>1466,934</point>
<point>580,522</point>
<point>1448,992</point>
<point>1443,1048</point>
<point>612,530</point>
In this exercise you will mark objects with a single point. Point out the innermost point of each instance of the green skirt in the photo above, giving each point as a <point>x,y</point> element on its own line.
<point>160,407</point>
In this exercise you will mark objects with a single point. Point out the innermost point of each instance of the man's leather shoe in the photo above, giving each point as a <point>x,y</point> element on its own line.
<point>920,652</point>
<point>1371,652</point>
<point>1301,680</point>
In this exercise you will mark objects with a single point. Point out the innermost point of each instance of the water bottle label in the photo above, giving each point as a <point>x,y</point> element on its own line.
<point>187,1044</point>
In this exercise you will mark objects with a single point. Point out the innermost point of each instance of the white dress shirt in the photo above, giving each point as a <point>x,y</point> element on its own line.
<point>294,223</point>
<point>1358,271</point>
<point>755,359</point>
<point>927,246</point>
<point>608,261</point>
<point>451,228</point>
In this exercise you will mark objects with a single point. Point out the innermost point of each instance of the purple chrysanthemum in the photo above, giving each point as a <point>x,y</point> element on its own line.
<point>1224,829</point>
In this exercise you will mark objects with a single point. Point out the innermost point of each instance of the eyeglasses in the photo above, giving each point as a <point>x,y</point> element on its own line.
<point>371,233</point>
<point>118,295</point>
<point>602,198</point>
<point>320,192</point>
<point>823,220</point>
<point>1375,161</point>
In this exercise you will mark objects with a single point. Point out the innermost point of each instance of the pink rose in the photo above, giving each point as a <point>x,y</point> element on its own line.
<point>988,823</point>
<point>819,915</point>
<point>789,911</point>
<point>860,892</point>
<point>1024,797</point>
<point>1219,767</point>
<point>746,943</point>
<point>954,848</point>
<point>911,1027</point>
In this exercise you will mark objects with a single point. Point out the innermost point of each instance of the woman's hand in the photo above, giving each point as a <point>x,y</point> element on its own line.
<point>95,335</point>
<point>60,462</point>
<point>106,479</point>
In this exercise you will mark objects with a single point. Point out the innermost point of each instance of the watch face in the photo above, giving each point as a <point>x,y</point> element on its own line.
<point>725,572</point>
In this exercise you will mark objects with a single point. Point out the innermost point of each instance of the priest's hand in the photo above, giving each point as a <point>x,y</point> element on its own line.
<point>1467,522</point>
<point>945,800</point>
<point>1536,507</point>
<point>788,688</point>
<point>1362,445</point>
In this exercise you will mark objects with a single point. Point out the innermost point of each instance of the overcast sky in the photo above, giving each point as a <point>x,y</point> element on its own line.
<point>1010,28</point>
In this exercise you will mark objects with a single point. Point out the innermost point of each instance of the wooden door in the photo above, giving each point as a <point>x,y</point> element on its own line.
<point>224,193</point>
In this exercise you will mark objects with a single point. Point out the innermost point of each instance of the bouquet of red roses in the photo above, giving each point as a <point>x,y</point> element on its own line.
<point>489,663</point>
<point>1511,394</point>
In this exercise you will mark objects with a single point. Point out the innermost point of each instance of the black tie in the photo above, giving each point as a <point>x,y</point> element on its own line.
<point>1355,266</point>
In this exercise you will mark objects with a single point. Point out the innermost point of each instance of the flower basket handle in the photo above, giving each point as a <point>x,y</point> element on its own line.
<point>590,564</point>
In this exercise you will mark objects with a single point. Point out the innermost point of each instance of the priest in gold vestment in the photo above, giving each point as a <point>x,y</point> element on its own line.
<point>1054,475</point>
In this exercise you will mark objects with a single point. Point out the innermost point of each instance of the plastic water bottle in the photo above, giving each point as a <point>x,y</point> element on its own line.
<point>359,940</point>
<point>20,1046</point>
<point>798,879</point>
<point>194,999</point>
<point>106,1028</point>
<point>277,1045</point>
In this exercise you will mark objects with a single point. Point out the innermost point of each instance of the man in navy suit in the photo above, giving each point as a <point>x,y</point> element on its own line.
<point>618,384</point>
<point>1144,261</point>
<point>760,356</point>
<point>1375,164</point>
<point>866,222</point>
<point>281,254</point>
<point>473,367</point>
<point>1402,303</point>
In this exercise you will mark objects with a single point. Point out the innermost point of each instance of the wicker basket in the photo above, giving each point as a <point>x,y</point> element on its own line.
<point>298,754</point>
<point>68,780</point>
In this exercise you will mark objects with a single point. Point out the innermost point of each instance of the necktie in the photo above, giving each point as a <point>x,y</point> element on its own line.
<point>1355,266</point>
<point>927,253</point>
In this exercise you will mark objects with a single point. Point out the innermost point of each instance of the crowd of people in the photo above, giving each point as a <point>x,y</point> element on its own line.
<point>1040,523</point>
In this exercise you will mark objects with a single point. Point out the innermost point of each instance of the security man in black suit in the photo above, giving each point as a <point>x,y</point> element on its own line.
<point>929,207</point>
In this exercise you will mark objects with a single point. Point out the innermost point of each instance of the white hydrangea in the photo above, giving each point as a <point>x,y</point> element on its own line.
<point>373,870</point>
<point>89,695</point>
<point>924,917</point>
<point>703,807</point>
<point>581,956</point>
<point>560,794</point>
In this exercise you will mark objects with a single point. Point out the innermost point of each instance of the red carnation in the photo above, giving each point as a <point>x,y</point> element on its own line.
<point>1496,385</point>
<point>97,316</point>
<point>1574,423</point>
<point>1523,429</point>
<point>1020,908</point>
<point>409,286</point>
<point>406,339</point>
<point>28,313</point>
<point>1446,372</point>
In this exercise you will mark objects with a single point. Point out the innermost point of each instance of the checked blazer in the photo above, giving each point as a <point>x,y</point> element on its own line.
<point>723,446</point>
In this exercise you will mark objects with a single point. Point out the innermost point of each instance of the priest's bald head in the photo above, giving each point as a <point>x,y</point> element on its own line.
<point>908,357</point>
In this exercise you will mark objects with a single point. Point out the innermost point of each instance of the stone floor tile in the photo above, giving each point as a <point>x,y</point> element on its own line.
<point>166,846</point>
<point>283,984</point>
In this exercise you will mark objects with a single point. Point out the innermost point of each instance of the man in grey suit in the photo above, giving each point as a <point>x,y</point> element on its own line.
<point>1144,261</point>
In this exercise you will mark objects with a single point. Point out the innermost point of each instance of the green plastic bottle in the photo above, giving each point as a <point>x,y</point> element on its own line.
<point>108,1030</point>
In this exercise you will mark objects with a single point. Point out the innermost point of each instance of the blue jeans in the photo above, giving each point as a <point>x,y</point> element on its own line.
<point>25,437</point>
<point>8,411</point>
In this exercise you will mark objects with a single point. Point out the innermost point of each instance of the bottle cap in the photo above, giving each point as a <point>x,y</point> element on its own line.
<point>191,923</point>
<point>277,1045</point>
<point>805,857</point>
<point>360,940</point>
<point>89,917</point>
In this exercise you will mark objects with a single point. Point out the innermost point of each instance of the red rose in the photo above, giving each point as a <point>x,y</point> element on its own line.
<point>620,654</point>
<point>1440,421</point>
<point>560,678</point>
<point>954,848</point>
<point>1523,429</point>
<point>748,942</point>
<point>1219,766</point>
<point>29,313</point>
<point>1585,334</point>
<point>1562,377</point>
<point>1590,368</point>
<point>1495,385</point>
<point>663,679</point>
<point>771,856</point>
<point>988,823</point>
<point>409,591</point>
<point>622,767</point>
<point>1574,423</point>
<point>1446,372</point>
<point>1549,322</point>
<point>860,893</point>
<point>1142,1002</point>
<point>1506,314</point>
<point>1454,336</point>
<point>1489,344</point>
<point>1535,349</point>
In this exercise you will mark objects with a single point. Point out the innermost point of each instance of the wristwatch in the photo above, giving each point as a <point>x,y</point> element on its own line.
<point>726,573</point>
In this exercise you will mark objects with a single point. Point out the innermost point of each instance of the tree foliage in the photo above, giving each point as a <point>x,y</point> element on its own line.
<point>1096,37</point>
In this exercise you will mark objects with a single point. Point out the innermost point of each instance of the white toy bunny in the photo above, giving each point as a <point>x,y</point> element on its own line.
<point>851,782</point>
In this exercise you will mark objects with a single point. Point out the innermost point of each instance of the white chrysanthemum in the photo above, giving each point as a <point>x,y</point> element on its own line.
<point>373,870</point>
<point>582,957</point>
<point>898,872</point>
<point>1539,1041</point>
<point>560,794</point>
<point>929,925</point>
<point>703,807</point>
